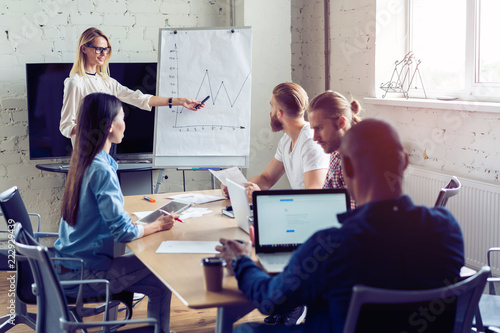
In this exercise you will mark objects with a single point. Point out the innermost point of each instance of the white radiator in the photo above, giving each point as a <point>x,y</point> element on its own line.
<point>476,207</point>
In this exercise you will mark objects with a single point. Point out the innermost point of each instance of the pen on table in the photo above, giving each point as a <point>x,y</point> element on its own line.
<point>203,101</point>
<point>149,199</point>
<point>167,213</point>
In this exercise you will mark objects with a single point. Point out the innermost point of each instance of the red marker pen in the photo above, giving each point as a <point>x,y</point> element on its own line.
<point>149,199</point>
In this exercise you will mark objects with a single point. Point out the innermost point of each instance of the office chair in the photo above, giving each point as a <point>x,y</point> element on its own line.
<point>448,191</point>
<point>54,314</point>
<point>488,315</point>
<point>446,309</point>
<point>14,210</point>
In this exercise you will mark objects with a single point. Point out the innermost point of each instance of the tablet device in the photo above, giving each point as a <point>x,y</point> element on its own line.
<point>176,206</point>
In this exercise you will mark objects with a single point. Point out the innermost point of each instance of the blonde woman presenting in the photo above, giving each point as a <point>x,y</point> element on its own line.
<point>90,73</point>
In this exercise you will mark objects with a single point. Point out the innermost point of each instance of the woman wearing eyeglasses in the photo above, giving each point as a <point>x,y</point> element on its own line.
<point>90,73</point>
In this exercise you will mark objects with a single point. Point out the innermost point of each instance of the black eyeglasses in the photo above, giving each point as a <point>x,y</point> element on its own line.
<point>99,50</point>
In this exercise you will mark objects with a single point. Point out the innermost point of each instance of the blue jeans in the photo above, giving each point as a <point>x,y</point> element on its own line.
<point>127,273</point>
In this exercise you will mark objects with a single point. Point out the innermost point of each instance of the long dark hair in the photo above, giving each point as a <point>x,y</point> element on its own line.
<point>95,117</point>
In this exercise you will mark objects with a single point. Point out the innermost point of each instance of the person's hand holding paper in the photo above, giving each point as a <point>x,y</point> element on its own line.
<point>233,173</point>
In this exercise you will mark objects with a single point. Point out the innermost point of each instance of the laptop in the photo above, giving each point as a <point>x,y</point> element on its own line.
<point>284,219</point>
<point>239,202</point>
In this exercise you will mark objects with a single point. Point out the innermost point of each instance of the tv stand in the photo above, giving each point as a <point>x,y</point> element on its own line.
<point>131,161</point>
<point>135,177</point>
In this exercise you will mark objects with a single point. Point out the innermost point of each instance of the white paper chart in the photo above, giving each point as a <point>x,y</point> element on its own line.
<point>197,63</point>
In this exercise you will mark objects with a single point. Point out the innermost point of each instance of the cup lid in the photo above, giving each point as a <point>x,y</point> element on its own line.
<point>213,261</point>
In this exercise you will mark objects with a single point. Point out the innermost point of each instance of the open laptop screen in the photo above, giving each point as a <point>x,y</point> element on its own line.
<point>284,219</point>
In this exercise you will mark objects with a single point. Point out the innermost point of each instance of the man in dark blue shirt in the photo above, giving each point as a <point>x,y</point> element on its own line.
<point>386,242</point>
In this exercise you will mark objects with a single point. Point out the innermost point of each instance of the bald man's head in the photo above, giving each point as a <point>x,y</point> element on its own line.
<point>375,154</point>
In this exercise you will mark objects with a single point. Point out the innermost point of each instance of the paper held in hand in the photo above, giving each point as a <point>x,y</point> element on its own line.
<point>233,173</point>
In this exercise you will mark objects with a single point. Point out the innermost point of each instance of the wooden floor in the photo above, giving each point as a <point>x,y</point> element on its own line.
<point>182,318</point>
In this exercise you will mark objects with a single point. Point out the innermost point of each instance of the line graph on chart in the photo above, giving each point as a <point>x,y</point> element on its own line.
<point>200,63</point>
<point>222,78</point>
<point>216,92</point>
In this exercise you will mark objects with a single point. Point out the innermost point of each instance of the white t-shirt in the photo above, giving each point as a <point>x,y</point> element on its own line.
<point>76,87</point>
<point>306,156</point>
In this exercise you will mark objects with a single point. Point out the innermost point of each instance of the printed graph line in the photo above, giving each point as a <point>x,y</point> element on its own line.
<point>222,85</point>
<point>214,98</point>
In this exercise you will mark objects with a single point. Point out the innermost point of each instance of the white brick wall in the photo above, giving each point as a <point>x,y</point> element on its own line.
<point>308,45</point>
<point>462,142</point>
<point>34,31</point>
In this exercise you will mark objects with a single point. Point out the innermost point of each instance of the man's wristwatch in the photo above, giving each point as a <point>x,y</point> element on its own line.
<point>170,102</point>
<point>235,260</point>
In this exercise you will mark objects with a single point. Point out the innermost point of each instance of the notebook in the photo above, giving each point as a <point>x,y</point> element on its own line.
<point>239,202</point>
<point>284,219</point>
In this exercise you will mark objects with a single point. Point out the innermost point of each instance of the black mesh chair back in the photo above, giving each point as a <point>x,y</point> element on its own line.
<point>448,309</point>
<point>51,302</point>
<point>14,211</point>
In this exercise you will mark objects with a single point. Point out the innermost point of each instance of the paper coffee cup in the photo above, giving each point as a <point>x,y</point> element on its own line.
<point>213,268</point>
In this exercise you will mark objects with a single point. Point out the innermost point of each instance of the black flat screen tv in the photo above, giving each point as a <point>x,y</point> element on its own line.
<point>45,85</point>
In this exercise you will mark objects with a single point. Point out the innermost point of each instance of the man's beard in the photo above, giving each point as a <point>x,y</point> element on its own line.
<point>276,124</point>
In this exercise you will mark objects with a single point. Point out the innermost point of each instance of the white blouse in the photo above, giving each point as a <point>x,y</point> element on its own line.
<point>76,87</point>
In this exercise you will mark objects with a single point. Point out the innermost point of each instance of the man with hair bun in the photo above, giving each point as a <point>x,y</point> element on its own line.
<point>331,115</point>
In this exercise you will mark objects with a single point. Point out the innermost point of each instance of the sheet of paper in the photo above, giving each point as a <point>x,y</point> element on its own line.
<point>233,173</point>
<point>194,212</point>
<point>196,198</point>
<point>188,247</point>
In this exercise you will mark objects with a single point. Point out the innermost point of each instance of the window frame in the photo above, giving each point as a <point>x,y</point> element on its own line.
<point>473,90</point>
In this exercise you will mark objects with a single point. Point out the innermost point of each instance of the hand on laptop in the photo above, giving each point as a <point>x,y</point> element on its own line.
<point>251,187</point>
<point>231,248</point>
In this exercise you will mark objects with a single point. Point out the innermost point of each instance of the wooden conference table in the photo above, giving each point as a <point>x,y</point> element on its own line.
<point>183,273</point>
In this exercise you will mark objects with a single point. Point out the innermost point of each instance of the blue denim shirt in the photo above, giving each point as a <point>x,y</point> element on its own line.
<point>100,220</point>
<point>388,244</point>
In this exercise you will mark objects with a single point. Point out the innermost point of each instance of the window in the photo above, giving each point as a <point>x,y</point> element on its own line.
<point>488,48</point>
<point>457,43</point>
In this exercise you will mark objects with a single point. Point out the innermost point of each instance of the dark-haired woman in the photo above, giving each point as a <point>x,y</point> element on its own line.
<point>93,217</point>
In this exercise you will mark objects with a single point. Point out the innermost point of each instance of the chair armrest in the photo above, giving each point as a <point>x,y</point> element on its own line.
<point>82,265</point>
<point>490,250</point>
<point>37,234</point>
<point>79,299</point>
<point>39,220</point>
<point>69,326</point>
<point>45,234</point>
<point>491,284</point>
<point>79,296</point>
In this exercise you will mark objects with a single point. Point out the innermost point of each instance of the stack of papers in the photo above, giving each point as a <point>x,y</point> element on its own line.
<point>188,247</point>
<point>194,212</point>
<point>196,198</point>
